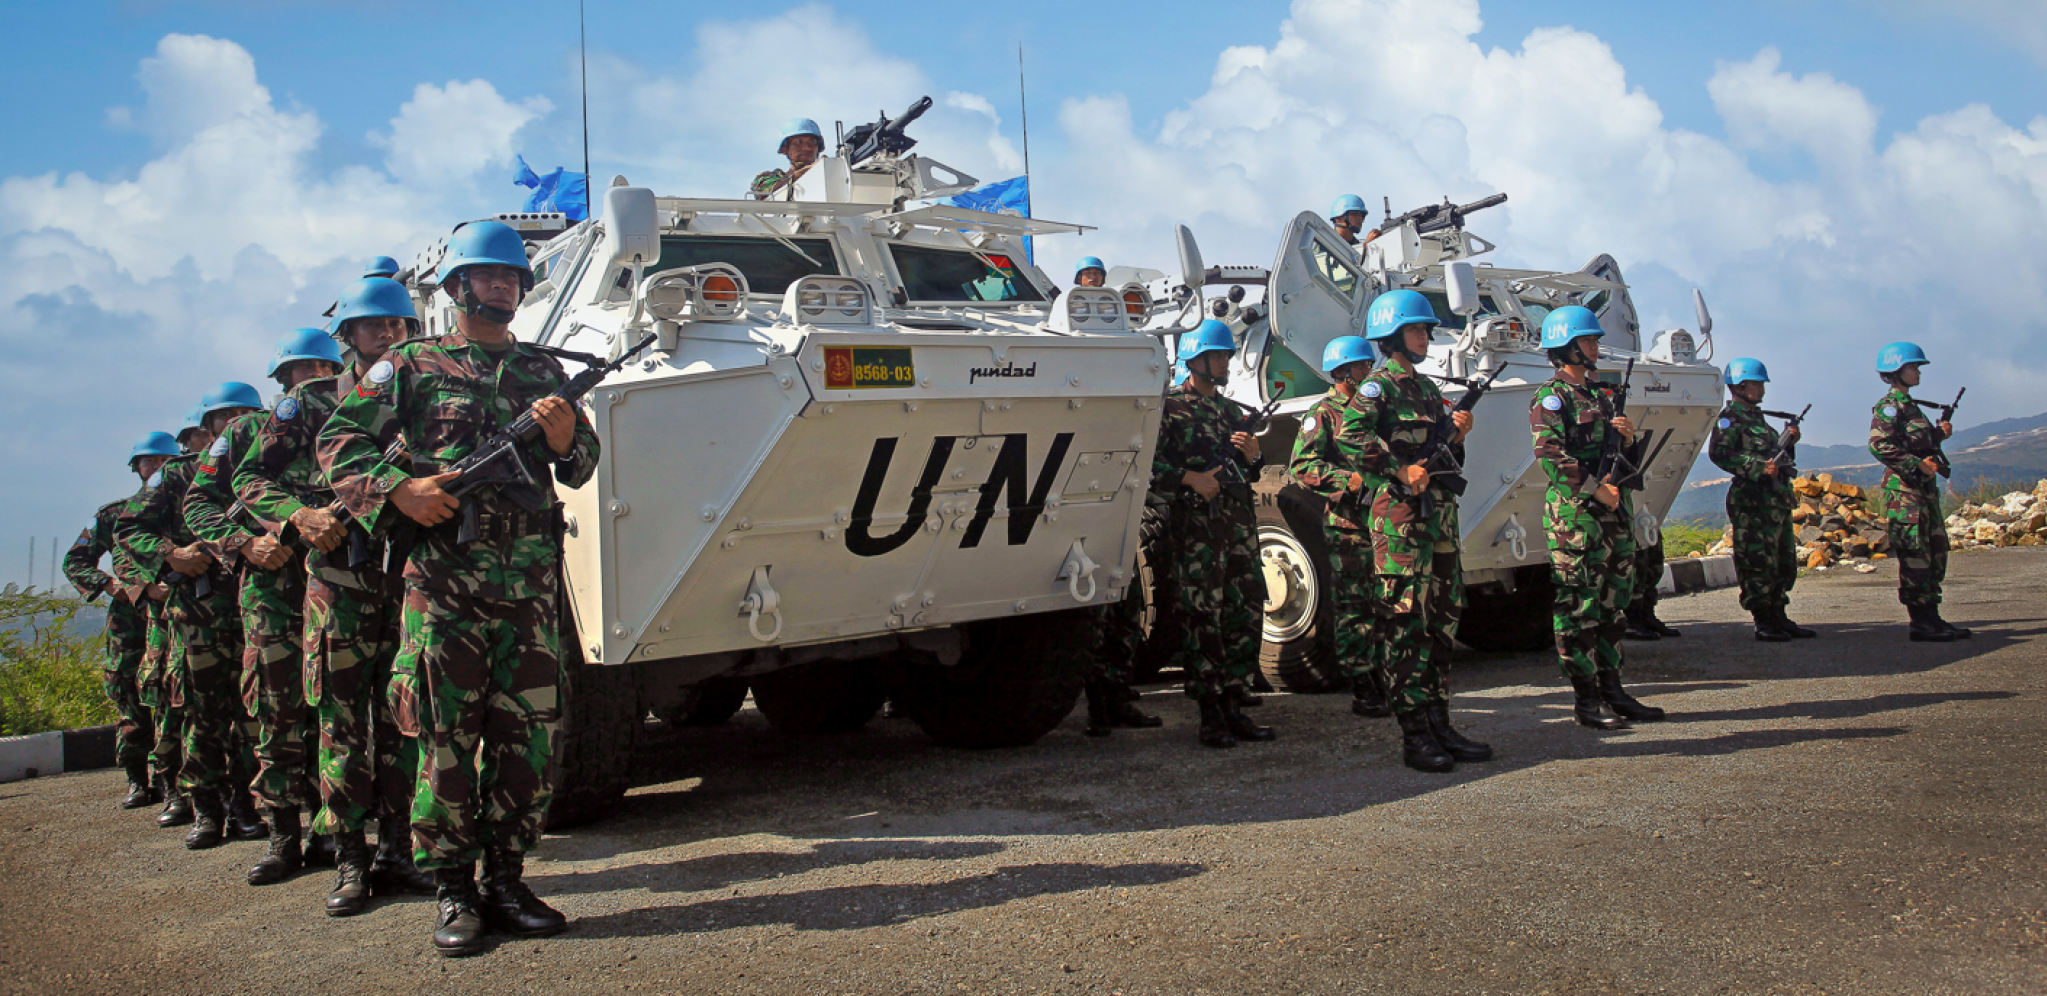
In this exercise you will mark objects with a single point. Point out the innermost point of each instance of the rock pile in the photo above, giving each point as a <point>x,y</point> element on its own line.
<point>2017,519</point>
<point>1835,522</point>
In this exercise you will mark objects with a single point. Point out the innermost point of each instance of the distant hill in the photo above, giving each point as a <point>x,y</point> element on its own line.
<point>2012,449</point>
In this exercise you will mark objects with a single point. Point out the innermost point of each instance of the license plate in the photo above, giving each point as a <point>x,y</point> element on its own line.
<point>859,367</point>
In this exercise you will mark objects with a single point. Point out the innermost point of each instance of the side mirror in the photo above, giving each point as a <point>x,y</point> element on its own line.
<point>1460,284</point>
<point>1192,273</point>
<point>632,226</point>
<point>1705,317</point>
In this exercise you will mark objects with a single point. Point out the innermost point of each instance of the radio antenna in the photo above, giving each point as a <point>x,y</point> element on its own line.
<point>583,64</point>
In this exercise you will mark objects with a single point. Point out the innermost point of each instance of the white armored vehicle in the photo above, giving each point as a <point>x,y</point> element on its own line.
<point>872,453</point>
<point>1319,287</point>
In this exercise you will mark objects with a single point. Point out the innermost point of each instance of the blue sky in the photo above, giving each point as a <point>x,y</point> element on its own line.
<point>183,181</point>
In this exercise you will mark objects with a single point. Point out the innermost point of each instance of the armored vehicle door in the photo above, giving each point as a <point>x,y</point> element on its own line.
<point>1318,292</point>
<point>1615,308</point>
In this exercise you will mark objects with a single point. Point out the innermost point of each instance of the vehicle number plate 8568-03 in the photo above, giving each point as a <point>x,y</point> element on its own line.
<point>848,367</point>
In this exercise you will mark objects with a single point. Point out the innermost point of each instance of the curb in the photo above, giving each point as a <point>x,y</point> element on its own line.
<point>1682,577</point>
<point>56,752</point>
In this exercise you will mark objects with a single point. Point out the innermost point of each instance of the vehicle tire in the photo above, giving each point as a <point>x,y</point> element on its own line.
<point>593,748</point>
<point>1500,620</point>
<point>1162,628</point>
<point>708,702</point>
<point>1017,679</point>
<point>819,697</point>
<point>1296,652</point>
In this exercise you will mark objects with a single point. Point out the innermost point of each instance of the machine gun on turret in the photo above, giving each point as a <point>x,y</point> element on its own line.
<point>882,136</point>
<point>1436,217</point>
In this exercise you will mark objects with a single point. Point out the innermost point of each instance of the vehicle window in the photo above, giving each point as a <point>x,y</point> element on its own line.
<point>1596,300</point>
<point>544,266</point>
<point>770,266</point>
<point>1340,269</point>
<point>952,275</point>
<point>1537,310</point>
<point>1440,304</point>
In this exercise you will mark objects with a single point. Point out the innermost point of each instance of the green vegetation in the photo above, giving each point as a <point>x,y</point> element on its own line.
<point>1681,539</point>
<point>1980,491</point>
<point>49,670</point>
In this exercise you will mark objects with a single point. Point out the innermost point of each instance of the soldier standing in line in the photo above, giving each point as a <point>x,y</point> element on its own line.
<point>366,767</point>
<point>127,621</point>
<point>159,682</point>
<point>479,672</point>
<point>1908,445</point>
<point>1759,501</point>
<point>1587,518</point>
<point>272,592</point>
<point>802,142</point>
<point>1205,460</point>
<point>206,637</point>
<point>1325,471</point>
<point>1413,526</point>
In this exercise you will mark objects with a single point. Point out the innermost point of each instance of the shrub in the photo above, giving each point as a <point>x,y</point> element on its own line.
<point>49,665</point>
<point>1681,539</point>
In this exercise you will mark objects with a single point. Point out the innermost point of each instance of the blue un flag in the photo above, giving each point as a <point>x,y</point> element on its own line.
<point>1011,196</point>
<point>560,190</point>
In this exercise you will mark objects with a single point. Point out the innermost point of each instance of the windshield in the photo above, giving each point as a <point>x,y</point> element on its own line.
<point>770,266</point>
<point>1440,303</point>
<point>950,275</point>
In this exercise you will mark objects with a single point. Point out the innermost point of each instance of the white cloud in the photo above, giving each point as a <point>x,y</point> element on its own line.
<point>445,136</point>
<point>1768,110</point>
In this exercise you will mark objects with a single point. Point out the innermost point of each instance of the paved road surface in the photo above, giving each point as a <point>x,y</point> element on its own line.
<point>1856,814</point>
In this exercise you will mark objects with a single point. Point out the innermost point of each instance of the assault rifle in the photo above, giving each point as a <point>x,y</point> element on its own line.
<point>1620,464</point>
<point>1436,448</point>
<point>1947,411</point>
<point>883,135</point>
<point>1784,441</point>
<point>1436,217</point>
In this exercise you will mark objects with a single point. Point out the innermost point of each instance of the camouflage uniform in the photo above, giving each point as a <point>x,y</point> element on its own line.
<point>1420,582</point>
<point>1591,547</point>
<point>1648,573</point>
<point>127,631</point>
<point>1220,588</point>
<point>205,638</point>
<point>1324,469</point>
<point>366,768</point>
<point>478,674</point>
<point>1900,436</point>
<point>272,685</point>
<point>1758,506</point>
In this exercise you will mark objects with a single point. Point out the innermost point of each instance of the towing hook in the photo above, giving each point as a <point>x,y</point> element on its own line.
<point>1515,535</point>
<point>1648,528</point>
<point>762,599</point>
<point>1076,567</point>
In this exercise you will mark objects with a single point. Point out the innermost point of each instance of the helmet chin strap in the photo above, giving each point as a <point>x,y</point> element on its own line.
<point>472,306</point>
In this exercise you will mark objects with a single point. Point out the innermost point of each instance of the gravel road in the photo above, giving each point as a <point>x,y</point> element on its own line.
<point>1852,814</point>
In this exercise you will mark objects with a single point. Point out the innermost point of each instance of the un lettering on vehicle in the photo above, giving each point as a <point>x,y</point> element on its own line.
<point>1009,482</point>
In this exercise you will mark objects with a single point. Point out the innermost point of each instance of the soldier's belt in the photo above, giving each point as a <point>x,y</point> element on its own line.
<point>496,525</point>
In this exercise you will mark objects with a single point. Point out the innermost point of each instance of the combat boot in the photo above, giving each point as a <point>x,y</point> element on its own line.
<point>320,850</point>
<point>1789,628</point>
<point>392,872</point>
<point>284,856</point>
<point>1418,747</point>
<point>509,906</point>
<point>1924,629</point>
<point>210,827</point>
<point>1456,744</point>
<point>1243,697</point>
<point>1098,722</point>
<point>1215,730</point>
<point>351,874</point>
<point>1933,613</point>
<point>1624,704</point>
<point>243,821</point>
<point>1123,710</point>
<point>1768,630</point>
<point>1368,696</point>
<point>458,924</point>
<point>1639,628</point>
<point>1241,725</point>
<point>1590,709</point>
<point>138,786</point>
<point>177,807</point>
<point>1657,626</point>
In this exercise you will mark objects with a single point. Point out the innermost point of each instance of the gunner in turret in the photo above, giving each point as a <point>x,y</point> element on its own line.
<point>802,142</point>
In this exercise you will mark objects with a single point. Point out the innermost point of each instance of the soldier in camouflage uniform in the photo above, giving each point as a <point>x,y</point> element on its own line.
<point>206,637</point>
<point>479,673</point>
<point>1587,517</point>
<point>273,588</point>
<point>127,621</point>
<point>1759,501</point>
<point>1205,460</point>
<point>802,142</point>
<point>1641,614</point>
<point>1418,575</point>
<point>1328,473</point>
<point>158,682</point>
<point>1908,445</point>
<point>366,768</point>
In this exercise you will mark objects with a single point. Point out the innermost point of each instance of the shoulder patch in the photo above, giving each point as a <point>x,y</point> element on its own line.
<point>1890,411</point>
<point>155,480</point>
<point>1372,389</point>
<point>381,373</point>
<point>219,447</point>
<point>287,409</point>
<point>1308,424</point>
<point>1553,403</point>
<point>1725,422</point>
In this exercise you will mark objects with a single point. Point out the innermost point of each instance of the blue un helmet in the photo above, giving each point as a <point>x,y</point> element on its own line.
<point>304,344</point>
<point>1210,336</point>
<point>230,394</point>
<point>1744,369</point>
<point>195,420</point>
<point>1346,204</point>
<point>1899,355</point>
<point>1567,323</point>
<point>382,266</point>
<point>800,126</point>
<point>1089,263</point>
<point>484,243</point>
<point>153,444</point>
<point>374,297</point>
<point>1343,351</point>
<point>1395,310</point>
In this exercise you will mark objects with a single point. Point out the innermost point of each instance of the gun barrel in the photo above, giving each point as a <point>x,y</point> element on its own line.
<point>903,121</point>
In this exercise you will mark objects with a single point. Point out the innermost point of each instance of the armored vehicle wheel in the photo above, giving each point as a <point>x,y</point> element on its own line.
<point>1016,680</point>
<point>1161,608</point>
<point>593,748</point>
<point>708,702</point>
<point>1497,619</point>
<point>1296,652</point>
<point>825,696</point>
